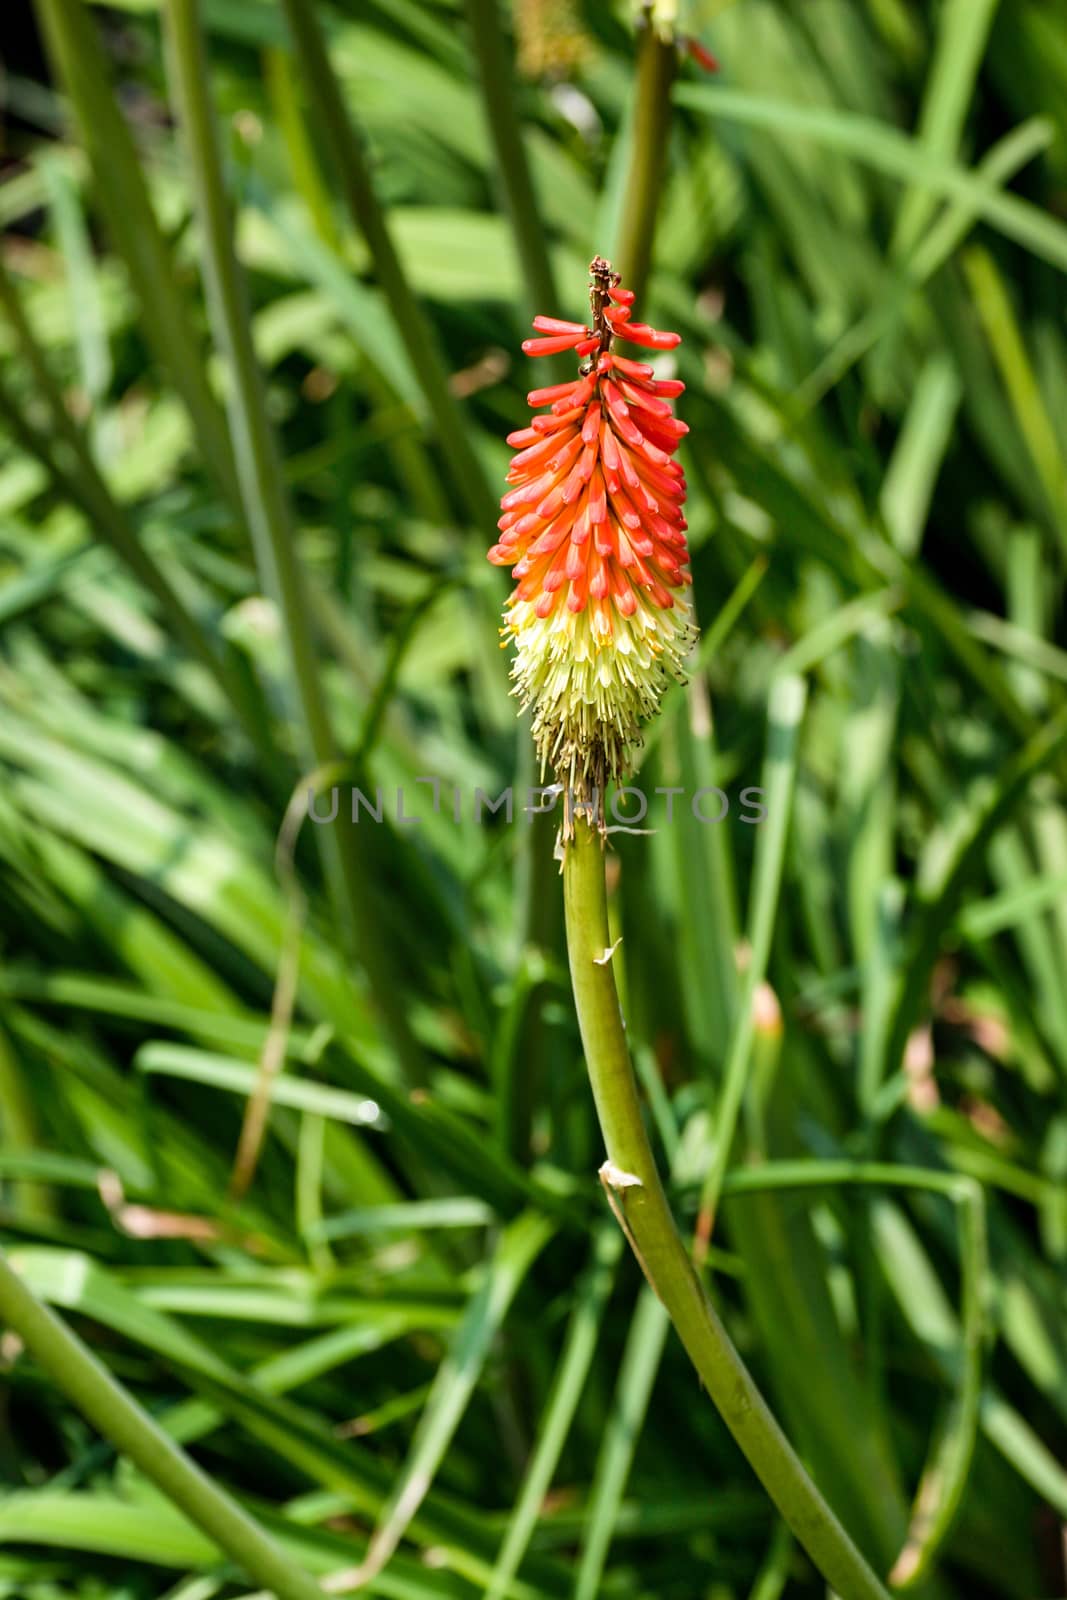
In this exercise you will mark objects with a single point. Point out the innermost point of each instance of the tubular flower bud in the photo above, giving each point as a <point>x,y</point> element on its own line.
<point>593,529</point>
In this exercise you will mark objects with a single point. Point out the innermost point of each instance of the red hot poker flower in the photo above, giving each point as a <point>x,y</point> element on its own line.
<point>593,529</point>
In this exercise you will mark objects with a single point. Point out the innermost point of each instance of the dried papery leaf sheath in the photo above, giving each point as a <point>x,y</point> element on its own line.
<point>594,531</point>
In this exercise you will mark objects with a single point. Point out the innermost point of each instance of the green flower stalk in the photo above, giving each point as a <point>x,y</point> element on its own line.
<point>594,532</point>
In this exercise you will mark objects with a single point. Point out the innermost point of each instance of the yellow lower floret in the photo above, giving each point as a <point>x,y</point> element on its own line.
<point>590,688</point>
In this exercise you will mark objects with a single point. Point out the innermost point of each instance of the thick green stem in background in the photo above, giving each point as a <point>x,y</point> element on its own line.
<point>75,1370</point>
<point>516,185</point>
<point>650,130</point>
<point>262,490</point>
<point>638,1200</point>
<point>73,42</point>
<point>412,324</point>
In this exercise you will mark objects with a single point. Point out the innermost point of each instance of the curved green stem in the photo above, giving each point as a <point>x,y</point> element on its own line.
<point>640,1204</point>
<point>119,1418</point>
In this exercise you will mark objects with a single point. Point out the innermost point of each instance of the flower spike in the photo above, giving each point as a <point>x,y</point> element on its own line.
<point>593,530</point>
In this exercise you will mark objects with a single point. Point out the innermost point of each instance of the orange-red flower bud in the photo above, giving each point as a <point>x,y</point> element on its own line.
<point>594,532</point>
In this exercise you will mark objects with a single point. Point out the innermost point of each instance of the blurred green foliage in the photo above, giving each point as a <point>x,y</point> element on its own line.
<point>242,537</point>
